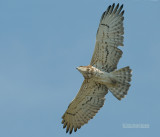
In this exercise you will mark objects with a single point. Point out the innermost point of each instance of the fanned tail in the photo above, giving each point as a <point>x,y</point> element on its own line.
<point>122,77</point>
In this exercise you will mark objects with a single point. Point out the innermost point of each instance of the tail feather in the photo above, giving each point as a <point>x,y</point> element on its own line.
<point>122,78</point>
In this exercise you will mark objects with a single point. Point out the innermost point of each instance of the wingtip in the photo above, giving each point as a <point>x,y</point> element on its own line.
<point>75,129</point>
<point>63,121</point>
<point>121,6</point>
<point>70,132</point>
<point>106,12</point>
<point>112,7</point>
<point>122,12</point>
<point>117,5</point>
<point>67,129</point>
<point>63,116</point>
<point>65,124</point>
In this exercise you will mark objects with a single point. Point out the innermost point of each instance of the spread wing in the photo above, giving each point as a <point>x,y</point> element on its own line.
<point>86,104</point>
<point>109,36</point>
<point>90,97</point>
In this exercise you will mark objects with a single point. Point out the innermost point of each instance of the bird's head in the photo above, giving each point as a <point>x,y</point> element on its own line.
<point>87,71</point>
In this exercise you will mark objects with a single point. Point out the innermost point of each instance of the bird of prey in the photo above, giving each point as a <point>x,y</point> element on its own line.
<point>101,74</point>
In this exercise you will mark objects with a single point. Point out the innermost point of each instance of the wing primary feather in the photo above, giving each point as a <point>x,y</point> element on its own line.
<point>68,125</point>
<point>63,121</point>
<point>65,124</point>
<point>63,116</point>
<point>80,116</point>
<point>108,9</point>
<point>74,122</point>
<point>77,118</point>
<point>71,124</point>
<point>111,9</point>
<point>115,10</point>
<point>120,9</point>
<point>102,16</point>
<point>75,129</point>
<point>71,129</point>
<point>122,13</point>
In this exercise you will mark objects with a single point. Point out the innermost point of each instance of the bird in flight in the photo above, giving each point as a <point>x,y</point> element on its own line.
<point>101,75</point>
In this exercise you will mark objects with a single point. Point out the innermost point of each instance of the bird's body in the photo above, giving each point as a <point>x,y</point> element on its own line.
<point>112,80</point>
<point>102,77</point>
<point>101,74</point>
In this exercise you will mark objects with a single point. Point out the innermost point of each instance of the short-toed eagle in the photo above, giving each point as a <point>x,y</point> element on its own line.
<point>101,74</point>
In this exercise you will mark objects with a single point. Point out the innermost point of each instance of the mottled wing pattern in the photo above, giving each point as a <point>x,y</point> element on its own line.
<point>109,36</point>
<point>86,104</point>
<point>90,97</point>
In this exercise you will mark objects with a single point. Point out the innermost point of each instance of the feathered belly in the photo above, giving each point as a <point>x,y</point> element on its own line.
<point>105,79</point>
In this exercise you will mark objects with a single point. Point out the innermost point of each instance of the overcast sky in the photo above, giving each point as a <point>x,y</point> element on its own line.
<point>41,44</point>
